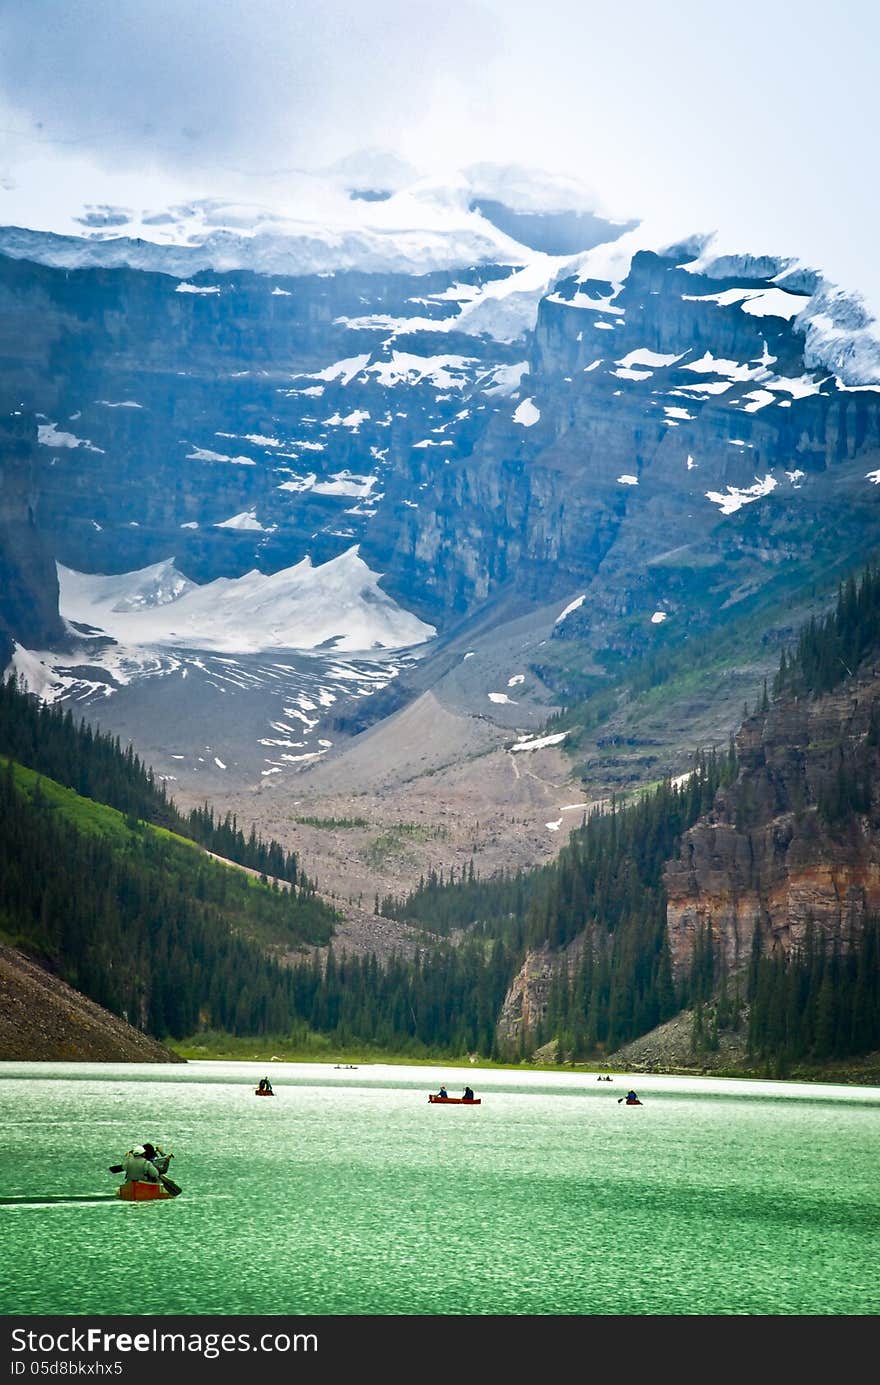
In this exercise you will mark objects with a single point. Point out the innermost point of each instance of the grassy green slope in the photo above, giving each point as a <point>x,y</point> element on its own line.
<point>143,921</point>
<point>271,917</point>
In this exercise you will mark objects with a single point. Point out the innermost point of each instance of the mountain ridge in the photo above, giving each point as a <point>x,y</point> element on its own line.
<point>623,449</point>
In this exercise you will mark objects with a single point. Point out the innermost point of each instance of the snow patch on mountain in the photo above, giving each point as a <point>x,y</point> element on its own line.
<point>715,365</point>
<point>444,372</point>
<point>769,302</point>
<point>299,483</point>
<point>36,673</point>
<point>587,303</point>
<point>346,483</point>
<point>504,380</point>
<point>343,371</point>
<point>774,303</point>
<point>246,520</point>
<point>204,454</point>
<point>735,497</point>
<point>572,606</point>
<point>527,414</point>
<point>759,400</point>
<point>197,288</point>
<point>48,435</point>
<point>504,309</point>
<point>337,605</point>
<point>540,743</point>
<point>508,308</point>
<point>643,356</point>
<point>626,373</point>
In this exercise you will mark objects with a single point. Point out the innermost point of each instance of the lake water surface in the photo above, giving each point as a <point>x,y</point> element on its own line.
<point>347,1193</point>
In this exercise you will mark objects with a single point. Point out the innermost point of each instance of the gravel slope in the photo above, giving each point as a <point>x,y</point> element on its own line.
<point>42,1019</point>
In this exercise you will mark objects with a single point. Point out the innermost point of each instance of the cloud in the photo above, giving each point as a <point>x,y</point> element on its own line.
<point>253,83</point>
<point>760,120</point>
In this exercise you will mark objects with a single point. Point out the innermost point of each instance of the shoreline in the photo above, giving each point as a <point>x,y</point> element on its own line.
<point>866,1074</point>
<point>866,1081</point>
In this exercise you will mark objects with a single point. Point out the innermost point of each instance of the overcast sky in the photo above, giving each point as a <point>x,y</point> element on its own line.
<point>759,119</point>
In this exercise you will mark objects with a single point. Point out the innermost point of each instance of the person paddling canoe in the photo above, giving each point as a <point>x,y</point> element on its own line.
<point>138,1167</point>
<point>157,1157</point>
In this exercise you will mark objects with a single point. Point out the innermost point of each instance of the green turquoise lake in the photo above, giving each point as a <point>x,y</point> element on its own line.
<point>348,1193</point>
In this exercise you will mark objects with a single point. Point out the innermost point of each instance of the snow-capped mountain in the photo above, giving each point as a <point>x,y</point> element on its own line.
<point>373,212</point>
<point>223,422</point>
<point>359,215</point>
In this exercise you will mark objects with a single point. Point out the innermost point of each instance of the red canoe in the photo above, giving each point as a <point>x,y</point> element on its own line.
<point>455,1100</point>
<point>633,1103</point>
<point>141,1192</point>
<point>257,1092</point>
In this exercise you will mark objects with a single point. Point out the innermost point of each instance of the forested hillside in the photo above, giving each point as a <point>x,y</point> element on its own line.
<point>578,953</point>
<point>46,738</point>
<point>832,649</point>
<point>600,908</point>
<point>142,921</point>
<point>822,999</point>
<point>590,930</point>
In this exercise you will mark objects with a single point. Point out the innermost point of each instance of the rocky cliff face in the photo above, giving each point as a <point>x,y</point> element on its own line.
<point>526,1003</point>
<point>655,442</point>
<point>28,580</point>
<point>769,862</point>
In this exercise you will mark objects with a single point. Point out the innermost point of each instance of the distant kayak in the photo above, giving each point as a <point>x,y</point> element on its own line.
<point>257,1092</point>
<point>454,1100</point>
<point>633,1103</point>
<point>142,1192</point>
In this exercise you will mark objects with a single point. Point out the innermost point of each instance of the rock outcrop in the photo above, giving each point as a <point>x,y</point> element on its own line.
<point>528,998</point>
<point>769,861</point>
<point>526,1001</point>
